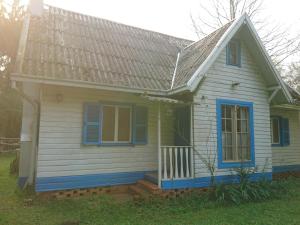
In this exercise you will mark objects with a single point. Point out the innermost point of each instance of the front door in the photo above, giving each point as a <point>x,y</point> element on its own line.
<point>182,126</point>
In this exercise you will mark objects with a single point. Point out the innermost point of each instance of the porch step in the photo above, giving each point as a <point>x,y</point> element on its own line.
<point>138,192</point>
<point>150,187</point>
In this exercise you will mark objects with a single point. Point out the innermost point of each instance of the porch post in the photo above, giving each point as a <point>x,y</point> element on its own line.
<point>192,140</point>
<point>159,145</point>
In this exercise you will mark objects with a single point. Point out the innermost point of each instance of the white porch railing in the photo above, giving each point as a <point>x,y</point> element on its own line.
<point>176,162</point>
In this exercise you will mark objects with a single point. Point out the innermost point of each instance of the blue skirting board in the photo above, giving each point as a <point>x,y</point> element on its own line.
<point>206,181</point>
<point>286,168</point>
<point>44,184</point>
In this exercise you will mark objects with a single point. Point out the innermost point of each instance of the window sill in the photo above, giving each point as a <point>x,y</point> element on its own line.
<point>226,165</point>
<point>110,144</point>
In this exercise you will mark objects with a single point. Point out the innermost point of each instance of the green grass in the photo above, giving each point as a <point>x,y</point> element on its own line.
<point>15,208</point>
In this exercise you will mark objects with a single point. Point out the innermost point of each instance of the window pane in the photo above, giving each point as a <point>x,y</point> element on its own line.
<point>229,139</point>
<point>228,125</point>
<point>244,126</point>
<point>275,131</point>
<point>124,124</point>
<point>108,127</point>
<point>228,111</point>
<point>233,53</point>
<point>228,154</point>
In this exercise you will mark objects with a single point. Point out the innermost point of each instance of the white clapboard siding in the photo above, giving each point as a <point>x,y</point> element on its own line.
<point>61,152</point>
<point>217,84</point>
<point>288,155</point>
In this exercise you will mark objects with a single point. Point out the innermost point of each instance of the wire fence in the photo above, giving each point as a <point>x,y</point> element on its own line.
<point>9,144</point>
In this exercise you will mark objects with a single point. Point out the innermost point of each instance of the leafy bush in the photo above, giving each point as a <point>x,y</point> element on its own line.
<point>247,191</point>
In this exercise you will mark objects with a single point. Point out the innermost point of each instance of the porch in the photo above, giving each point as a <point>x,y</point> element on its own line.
<point>175,156</point>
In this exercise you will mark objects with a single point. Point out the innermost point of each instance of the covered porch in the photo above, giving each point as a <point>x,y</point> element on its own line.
<point>175,152</point>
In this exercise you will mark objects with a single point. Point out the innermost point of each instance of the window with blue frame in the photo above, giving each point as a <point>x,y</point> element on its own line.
<point>280,134</point>
<point>113,124</point>
<point>233,53</point>
<point>235,133</point>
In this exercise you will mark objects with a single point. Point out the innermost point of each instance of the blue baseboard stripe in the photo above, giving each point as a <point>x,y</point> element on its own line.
<point>206,181</point>
<point>286,168</point>
<point>44,184</point>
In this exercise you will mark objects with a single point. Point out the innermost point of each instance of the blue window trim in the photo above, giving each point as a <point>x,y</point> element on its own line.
<point>238,45</point>
<point>221,163</point>
<point>280,132</point>
<point>133,125</point>
<point>282,141</point>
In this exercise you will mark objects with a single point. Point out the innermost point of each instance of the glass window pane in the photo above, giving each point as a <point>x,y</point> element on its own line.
<point>238,126</point>
<point>229,139</point>
<point>108,127</point>
<point>244,126</point>
<point>223,124</point>
<point>233,53</point>
<point>124,124</point>
<point>229,111</point>
<point>244,113</point>
<point>229,125</point>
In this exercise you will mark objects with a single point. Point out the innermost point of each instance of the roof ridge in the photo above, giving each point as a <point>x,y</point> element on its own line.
<point>120,23</point>
<point>208,35</point>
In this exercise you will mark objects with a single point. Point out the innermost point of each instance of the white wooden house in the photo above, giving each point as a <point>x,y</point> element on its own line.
<point>110,104</point>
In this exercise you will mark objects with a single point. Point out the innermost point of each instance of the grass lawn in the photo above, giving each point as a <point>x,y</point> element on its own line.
<point>15,209</point>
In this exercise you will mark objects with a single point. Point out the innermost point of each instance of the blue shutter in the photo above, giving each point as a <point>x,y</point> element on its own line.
<point>91,124</point>
<point>140,125</point>
<point>285,133</point>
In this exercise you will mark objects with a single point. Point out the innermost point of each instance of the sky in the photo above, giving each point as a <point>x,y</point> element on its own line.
<point>170,16</point>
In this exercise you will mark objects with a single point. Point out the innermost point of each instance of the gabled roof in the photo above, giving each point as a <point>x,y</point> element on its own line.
<point>71,49</point>
<point>194,55</point>
<point>68,46</point>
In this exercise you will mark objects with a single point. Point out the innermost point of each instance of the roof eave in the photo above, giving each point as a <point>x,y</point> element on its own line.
<point>85,84</point>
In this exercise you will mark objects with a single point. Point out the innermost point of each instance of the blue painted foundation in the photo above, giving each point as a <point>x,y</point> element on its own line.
<point>44,184</point>
<point>287,168</point>
<point>206,181</point>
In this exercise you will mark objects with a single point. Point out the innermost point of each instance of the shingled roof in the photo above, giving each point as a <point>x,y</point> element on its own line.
<point>66,46</point>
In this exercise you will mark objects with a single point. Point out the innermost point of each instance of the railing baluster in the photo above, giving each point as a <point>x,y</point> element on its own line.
<point>187,161</point>
<point>171,162</point>
<point>181,163</point>
<point>192,161</point>
<point>176,162</point>
<point>165,163</point>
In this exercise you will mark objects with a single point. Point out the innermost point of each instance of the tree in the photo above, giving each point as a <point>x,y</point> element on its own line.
<point>216,13</point>
<point>11,16</point>
<point>292,75</point>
